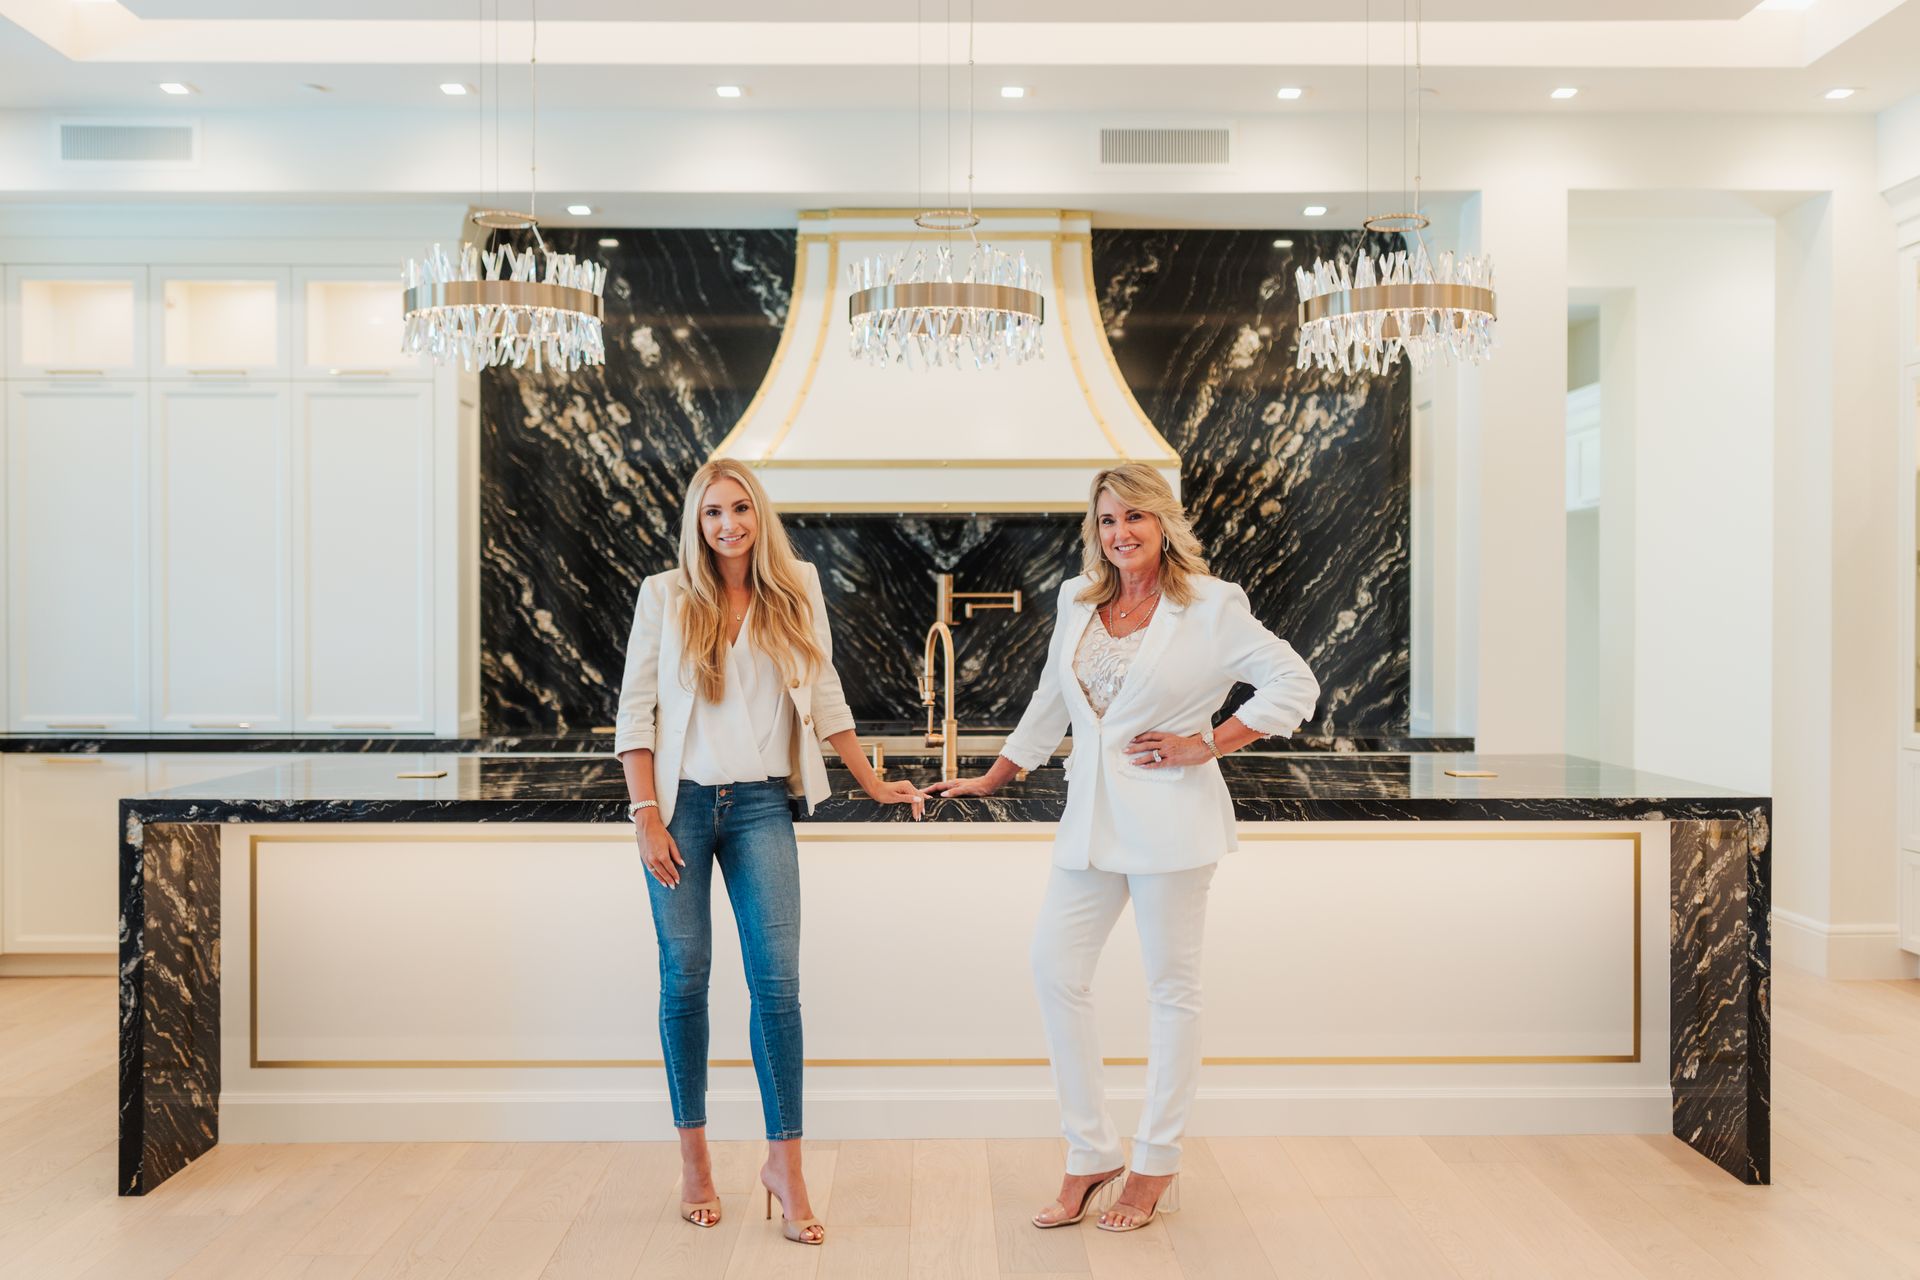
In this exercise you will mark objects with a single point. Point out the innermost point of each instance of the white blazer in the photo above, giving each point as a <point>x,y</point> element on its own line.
<point>655,711</point>
<point>1175,817</point>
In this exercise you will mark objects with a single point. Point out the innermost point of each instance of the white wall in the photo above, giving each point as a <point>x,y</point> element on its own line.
<point>1702,484</point>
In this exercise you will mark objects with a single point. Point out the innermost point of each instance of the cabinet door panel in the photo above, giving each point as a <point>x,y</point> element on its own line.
<point>60,855</point>
<point>363,558</point>
<point>76,549</point>
<point>222,636</point>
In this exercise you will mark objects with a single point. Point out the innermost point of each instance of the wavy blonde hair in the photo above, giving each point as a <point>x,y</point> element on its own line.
<point>1141,488</point>
<point>782,619</point>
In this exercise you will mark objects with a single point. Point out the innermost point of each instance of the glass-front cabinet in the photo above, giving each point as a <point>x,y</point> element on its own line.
<point>347,324</point>
<point>220,322</point>
<point>76,322</point>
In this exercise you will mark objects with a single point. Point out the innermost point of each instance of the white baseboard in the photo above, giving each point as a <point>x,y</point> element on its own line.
<point>1841,951</point>
<point>47,965</point>
<point>643,1114</point>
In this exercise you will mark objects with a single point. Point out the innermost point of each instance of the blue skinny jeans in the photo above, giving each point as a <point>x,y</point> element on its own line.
<point>746,829</point>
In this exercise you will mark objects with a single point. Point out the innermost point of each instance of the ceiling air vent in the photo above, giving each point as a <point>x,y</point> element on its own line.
<point>1165,146</point>
<point>98,142</point>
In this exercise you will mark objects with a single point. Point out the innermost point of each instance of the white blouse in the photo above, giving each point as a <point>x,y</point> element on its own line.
<point>1101,663</point>
<point>747,735</point>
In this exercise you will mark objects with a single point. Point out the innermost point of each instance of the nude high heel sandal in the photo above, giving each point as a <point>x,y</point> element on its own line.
<point>691,1212</point>
<point>795,1229</point>
<point>1098,1196</point>
<point>1169,1202</point>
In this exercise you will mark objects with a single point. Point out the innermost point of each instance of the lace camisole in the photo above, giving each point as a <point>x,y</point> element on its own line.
<point>1101,663</point>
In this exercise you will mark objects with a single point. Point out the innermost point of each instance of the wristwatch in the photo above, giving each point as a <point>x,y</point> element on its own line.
<point>1206,736</point>
<point>633,810</point>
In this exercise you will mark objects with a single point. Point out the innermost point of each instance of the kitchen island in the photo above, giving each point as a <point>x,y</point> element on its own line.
<point>336,949</point>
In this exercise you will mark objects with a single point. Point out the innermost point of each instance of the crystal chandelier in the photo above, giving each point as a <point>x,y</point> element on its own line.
<point>494,306</point>
<point>966,305</point>
<point>1369,315</point>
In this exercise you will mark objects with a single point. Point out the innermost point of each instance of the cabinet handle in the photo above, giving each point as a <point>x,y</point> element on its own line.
<point>363,726</point>
<point>73,759</point>
<point>361,373</point>
<point>76,373</point>
<point>604,729</point>
<point>423,773</point>
<point>54,725</point>
<point>221,724</point>
<point>217,373</point>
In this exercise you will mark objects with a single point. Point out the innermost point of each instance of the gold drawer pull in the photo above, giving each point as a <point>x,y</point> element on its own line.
<point>360,373</point>
<point>217,373</point>
<point>73,725</point>
<point>422,773</point>
<point>1470,773</point>
<point>363,726</point>
<point>221,724</point>
<point>88,759</point>
<point>76,373</point>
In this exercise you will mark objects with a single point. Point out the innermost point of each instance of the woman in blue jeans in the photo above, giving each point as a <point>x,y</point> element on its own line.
<point>729,692</point>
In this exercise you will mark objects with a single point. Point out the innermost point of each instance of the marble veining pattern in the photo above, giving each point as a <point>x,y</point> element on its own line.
<point>169,999</point>
<point>1298,484</point>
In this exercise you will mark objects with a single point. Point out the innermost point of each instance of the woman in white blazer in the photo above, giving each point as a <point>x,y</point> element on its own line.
<point>1145,648</point>
<point>729,691</point>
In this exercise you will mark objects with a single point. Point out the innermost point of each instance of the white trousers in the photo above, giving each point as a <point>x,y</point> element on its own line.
<point>1077,914</point>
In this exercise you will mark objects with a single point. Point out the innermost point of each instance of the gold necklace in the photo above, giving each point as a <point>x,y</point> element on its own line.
<point>1124,612</point>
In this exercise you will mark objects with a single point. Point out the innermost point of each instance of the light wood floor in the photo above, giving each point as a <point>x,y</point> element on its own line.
<point>1846,1200</point>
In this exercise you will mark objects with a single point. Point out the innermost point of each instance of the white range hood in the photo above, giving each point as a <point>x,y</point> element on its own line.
<point>828,432</point>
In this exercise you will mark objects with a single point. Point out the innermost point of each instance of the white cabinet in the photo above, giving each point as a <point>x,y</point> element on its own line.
<point>1910,900</point>
<point>363,576</point>
<point>221,558</point>
<point>76,322</point>
<point>347,325</point>
<point>220,322</point>
<point>59,850</point>
<point>76,503</point>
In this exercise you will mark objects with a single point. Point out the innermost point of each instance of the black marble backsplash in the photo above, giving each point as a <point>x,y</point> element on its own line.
<point>1297,481</point>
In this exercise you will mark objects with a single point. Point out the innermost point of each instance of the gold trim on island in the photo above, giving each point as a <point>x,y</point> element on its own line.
<point>256,840</point>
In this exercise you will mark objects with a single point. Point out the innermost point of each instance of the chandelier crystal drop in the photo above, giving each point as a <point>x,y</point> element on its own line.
<point>1366,318</point>
<point>495,306</point>
<point>978,306</point>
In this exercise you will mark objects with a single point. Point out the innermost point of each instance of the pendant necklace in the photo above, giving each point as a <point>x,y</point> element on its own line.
<point>1124,612</point>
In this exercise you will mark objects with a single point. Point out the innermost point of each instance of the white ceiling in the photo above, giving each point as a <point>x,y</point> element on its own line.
<point>1119,56</point>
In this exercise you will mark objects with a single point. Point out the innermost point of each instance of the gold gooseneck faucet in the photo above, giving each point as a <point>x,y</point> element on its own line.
<point>947,736</point>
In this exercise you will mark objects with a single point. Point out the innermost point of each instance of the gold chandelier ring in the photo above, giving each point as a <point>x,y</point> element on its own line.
<point>947,295</point>
<point>1397,297</point>
<point>503,293</point>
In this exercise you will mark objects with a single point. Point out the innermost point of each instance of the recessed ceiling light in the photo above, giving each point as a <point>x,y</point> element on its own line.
<point>1290,93</point>
<point>580,210</point>
<point>1283,244</point>
<point>728,90</point>
<point>454,90</point>
<point>1837,94</point>
<point>175,88</point>
<point>1013,91</point>
<point>1564,92</point>
<point>608,242</point>
<point>1314,210</point>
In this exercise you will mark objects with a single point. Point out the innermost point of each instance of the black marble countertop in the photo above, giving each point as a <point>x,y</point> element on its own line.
<point>1265,789</point>
<point>589,743</point>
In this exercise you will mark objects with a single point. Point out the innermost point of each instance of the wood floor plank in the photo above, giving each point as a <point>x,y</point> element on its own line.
<point>557,1185</point>
<point>1289,1222</point>
<point>873,1184</point>
<point>431,1240</point>
<point>678,1250</point>
<point>286,1213</point>
<point>509,1249</point>
<point>951,1232</point>
<point>384,1199</point>
<point>609,1235</point>
<point>1025,1174</point>
<point>1546,1226</point>
<point>1388,1242</point>
<point>866,1252</point>
<point>1334,1167</point>
<point>1211,1234</point>
<point>1633,1227</point>
<point>1473,1242</point>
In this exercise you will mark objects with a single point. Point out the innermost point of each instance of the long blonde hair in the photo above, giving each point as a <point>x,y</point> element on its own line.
<point>1141,488</point>
<point>782,619</point>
